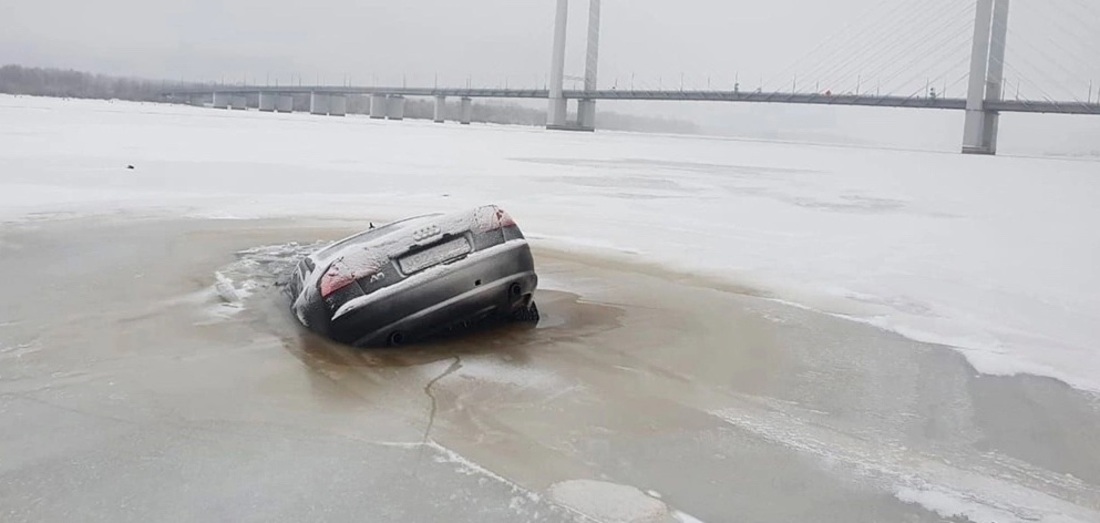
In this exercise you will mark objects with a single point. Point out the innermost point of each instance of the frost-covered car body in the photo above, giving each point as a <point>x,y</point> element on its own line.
<point>406,280</point>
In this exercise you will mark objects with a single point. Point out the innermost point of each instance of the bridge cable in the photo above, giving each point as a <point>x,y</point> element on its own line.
<point>844,31</point>
<point>1021,78</point>
<point>883,56</point>
<point>1061,29</point>
<point>933,58</point>
<point>856,49</point>
<point>917,52</point>
<point>1076,59</point>
<point>933,49</point>
<point>1044,56</point>
<point>1078,19</point>
<point>1086,7</point>
<point>856,41</point>
<point>942,76</point>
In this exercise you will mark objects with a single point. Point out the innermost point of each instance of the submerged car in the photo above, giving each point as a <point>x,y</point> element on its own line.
<point>407,280</point>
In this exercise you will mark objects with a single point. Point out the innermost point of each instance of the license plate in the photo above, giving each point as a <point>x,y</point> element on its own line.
<point>434,255</point>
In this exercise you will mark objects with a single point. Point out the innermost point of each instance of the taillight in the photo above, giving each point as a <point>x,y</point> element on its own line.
<point>350,268</point>
<point>335,278</point>
<point>491,218</point>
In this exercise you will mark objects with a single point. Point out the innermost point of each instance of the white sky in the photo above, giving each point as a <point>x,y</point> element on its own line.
<point>494,39</point>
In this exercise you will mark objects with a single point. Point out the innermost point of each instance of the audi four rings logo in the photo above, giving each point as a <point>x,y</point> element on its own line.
<point>426,232</point>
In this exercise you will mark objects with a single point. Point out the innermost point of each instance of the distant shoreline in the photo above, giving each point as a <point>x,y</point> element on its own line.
<point>62,83</point>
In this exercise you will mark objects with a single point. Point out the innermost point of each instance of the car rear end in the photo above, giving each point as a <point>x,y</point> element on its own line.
<point>430,274</point>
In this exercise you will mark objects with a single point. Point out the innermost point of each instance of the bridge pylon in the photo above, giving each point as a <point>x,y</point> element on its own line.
<point>586,108</point>
<point>555,110</point>
<point>986,76</point>
<point>556,113</point>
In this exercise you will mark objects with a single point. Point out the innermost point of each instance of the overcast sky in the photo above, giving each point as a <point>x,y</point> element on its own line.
<point>490,40</point>
<point>841,45</point>
<point>483,38</point>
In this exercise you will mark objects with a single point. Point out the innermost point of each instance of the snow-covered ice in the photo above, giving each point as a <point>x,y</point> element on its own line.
<point>937,485</point>
<point>996,257</point>
<point>609,502</point>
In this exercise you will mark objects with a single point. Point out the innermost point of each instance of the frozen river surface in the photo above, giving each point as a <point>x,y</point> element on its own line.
<point>732,330</point>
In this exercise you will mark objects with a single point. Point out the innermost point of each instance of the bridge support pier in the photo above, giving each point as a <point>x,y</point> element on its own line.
<point>358,104</point>
<point>377,106</point>
<point>440,109</point>
<point>337,105</point>
<point>986,74</point>
<point>318,103</point>
<point>284,103</point>
<point>238,101</point>
<point>221,100</point>
<point>586,115</point>
<point>267,102</point>
<point>395,107</point>
<point>467,112</point>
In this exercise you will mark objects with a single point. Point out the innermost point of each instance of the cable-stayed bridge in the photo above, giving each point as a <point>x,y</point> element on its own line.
<point>907,54</point>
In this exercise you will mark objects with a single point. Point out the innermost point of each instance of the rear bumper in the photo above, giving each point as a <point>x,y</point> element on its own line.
<point>496,280</point>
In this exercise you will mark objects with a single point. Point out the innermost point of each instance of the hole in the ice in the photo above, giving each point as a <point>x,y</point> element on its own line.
<point>564,316</point>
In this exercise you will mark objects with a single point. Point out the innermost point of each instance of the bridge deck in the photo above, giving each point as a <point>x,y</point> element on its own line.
<point>864,100</point>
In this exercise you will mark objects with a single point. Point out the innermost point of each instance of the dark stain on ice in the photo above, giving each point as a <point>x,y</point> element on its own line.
<point>454,366</point>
